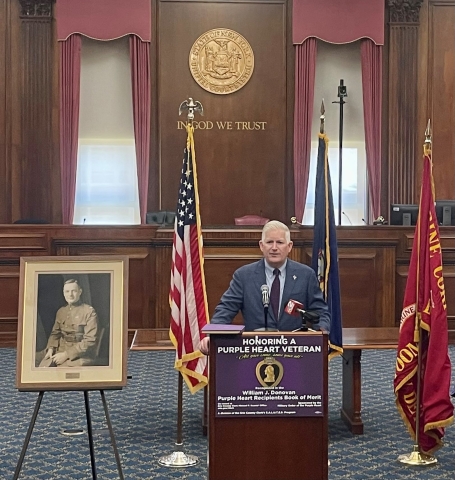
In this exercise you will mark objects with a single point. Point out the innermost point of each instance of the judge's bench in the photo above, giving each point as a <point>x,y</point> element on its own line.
<point>373,264</point>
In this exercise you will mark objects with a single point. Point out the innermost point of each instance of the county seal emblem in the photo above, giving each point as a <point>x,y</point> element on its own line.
<point>221,61</point>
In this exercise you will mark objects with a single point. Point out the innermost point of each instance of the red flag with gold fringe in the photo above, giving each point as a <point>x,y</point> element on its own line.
<point>423,331</point>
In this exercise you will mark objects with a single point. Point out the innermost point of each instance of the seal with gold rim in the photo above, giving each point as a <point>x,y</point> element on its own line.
<point>221,61</point>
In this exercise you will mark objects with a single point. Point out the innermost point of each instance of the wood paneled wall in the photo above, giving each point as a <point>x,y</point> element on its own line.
<point>437,85</point>
<point>10,109</point>
<point>373,267</point>
<point>39,194</point>
<point>29,159</point>
<point>402,100</point>
<point>240,171</point>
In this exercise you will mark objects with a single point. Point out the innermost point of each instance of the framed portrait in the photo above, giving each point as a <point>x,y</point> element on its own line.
<point>72,323</point>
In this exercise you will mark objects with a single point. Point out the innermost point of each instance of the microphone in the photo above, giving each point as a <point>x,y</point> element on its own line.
<point>265,296</point>
<point>295,308</point>
<point>347,217</point>
<point>265,302</point>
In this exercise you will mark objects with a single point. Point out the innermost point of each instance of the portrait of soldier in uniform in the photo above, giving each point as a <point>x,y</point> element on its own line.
<point>76,335</point>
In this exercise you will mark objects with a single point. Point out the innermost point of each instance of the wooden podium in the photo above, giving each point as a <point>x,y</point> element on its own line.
<point>267,405</point>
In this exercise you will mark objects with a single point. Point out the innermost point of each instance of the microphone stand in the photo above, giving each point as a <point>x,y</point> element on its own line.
<point>266,327</point>
<point>307,323</point>
<point>304,327</point>
<point>342,92</point>
<point>265,304</point>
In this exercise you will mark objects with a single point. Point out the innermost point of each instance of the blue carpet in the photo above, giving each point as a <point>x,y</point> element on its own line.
<point>144,420</point>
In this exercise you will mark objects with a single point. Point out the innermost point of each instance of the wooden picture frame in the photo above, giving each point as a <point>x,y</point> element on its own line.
<point>72,323</point>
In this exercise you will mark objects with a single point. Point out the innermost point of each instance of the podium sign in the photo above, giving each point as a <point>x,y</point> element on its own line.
<point>270,375</point>
<point>267,405</point>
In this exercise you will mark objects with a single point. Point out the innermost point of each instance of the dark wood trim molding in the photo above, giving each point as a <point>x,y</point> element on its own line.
<point>37,120</point>
<point>402,99</point>
<point>373,266</point>
<point>404,11</point>
<point>36,8</point>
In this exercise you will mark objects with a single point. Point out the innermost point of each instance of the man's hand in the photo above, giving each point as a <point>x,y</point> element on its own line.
<point>205,345</point>
<point>48,354</point>
<point>60,357</point>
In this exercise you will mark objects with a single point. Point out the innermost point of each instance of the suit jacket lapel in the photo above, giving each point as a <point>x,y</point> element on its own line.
<point>259,278</point>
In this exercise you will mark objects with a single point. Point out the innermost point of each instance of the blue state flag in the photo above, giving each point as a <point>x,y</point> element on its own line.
<point>325,249</point>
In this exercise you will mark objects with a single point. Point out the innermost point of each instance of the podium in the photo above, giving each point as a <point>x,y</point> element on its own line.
<point>268,405</point>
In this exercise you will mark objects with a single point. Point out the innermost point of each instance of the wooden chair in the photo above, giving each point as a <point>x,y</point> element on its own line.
<point>251,220</point>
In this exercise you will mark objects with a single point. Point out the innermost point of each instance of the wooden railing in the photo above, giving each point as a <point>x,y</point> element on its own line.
<point>373,267</point>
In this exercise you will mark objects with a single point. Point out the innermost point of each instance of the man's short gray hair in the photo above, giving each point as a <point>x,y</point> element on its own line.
<point>276,225</point>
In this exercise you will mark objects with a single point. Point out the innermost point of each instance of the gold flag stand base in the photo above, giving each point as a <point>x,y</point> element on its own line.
<point>178,459</point>
<point>418,459</point>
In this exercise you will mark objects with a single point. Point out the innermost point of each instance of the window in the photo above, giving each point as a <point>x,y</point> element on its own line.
<point>354,185</point>
<point>106,186</point>
<point>106,178</point>
<point>333,63</point>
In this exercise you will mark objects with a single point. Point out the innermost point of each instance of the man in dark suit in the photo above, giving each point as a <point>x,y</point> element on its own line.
<point>295,281</point>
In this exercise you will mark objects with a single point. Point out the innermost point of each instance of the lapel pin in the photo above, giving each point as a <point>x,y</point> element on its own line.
<point>294,277</point>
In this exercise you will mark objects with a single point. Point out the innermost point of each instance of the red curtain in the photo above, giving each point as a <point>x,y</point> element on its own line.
<point>70,77</point>
<point>305,70</point>
<point>338,21</point>
<point>371,58</point>
<point>104,19</point>
<point>140,80</point>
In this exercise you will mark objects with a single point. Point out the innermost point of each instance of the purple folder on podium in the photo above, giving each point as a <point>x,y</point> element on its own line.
<point>222,329</point>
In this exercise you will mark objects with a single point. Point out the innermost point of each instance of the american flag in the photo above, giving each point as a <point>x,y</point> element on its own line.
<point>188,299</point>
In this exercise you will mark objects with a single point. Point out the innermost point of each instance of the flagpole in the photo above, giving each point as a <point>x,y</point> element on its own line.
<point>342,93</point>
<point>294,220</point>
<point>179,458</point>
<point>322,118</point>
<point>416,457</point>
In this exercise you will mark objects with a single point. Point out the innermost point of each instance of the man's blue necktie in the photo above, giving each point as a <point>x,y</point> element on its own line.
<point>275,293</point>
